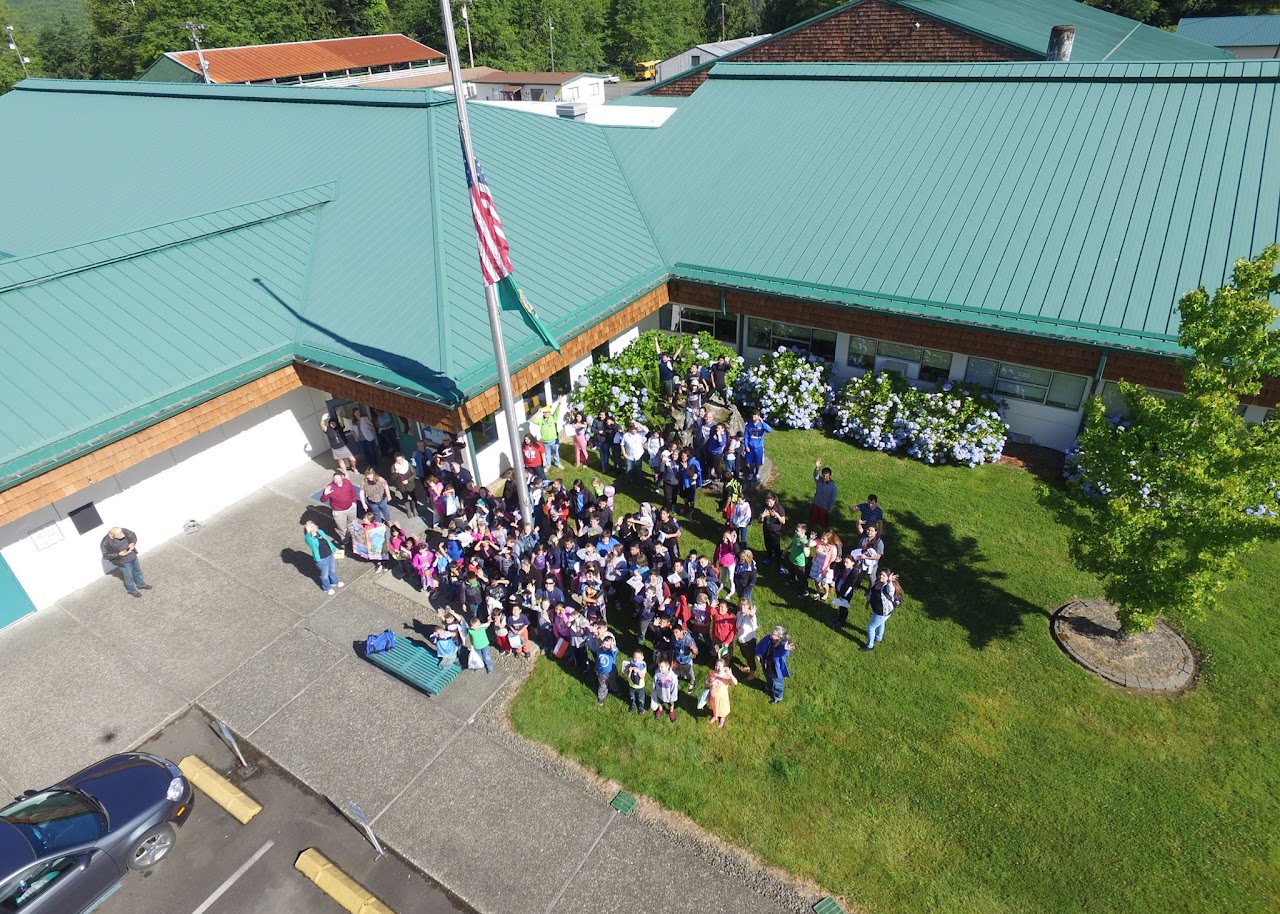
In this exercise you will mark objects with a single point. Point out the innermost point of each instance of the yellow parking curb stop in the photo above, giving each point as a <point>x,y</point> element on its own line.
<point>227,795</point>
<point>337,884</point>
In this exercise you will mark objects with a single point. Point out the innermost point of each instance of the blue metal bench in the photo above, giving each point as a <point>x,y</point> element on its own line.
<point>410,662</point>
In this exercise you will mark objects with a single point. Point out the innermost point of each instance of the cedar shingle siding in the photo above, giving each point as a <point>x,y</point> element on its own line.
<point>871,32</point>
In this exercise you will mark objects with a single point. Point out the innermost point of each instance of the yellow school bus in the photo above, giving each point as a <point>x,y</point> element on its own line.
<point>647,69</point>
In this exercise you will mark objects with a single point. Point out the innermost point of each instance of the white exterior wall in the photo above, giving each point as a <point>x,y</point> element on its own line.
<point>1255,52</point>
<point>489,463</point>
<point>155,498</point>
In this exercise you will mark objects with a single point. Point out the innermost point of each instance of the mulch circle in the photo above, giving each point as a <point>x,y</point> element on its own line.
<point>1158,661</point>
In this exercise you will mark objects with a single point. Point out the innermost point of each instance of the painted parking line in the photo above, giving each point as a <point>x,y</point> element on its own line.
<point>233,878</point>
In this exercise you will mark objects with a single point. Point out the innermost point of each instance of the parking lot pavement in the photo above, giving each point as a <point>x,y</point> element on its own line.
<point>218,866</point>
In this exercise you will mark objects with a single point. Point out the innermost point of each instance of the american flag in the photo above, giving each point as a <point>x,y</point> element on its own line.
<point>495,261</point>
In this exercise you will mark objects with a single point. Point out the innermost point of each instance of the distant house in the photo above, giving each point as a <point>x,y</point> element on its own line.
<point>334,61</point>
<point>703,53</point>
<point>587,88</point>
<point>1246,37</point>
<point>950,31</point>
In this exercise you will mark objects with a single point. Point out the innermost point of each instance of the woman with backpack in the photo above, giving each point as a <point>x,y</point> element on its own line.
<point>883,598</point>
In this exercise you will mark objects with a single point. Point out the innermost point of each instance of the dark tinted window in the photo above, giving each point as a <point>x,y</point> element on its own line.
<point>55,820</point>
<point>24,888</point>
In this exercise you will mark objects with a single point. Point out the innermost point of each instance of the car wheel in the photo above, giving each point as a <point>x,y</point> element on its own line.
<point>153,847</point>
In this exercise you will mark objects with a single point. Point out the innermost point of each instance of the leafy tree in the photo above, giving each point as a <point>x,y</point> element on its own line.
<point>64,51</point>
<point>1176,495</point>
<point>740,18</point>
<point>10,66</point>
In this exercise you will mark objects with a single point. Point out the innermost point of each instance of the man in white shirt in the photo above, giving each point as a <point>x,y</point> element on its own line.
<point>633,451</point>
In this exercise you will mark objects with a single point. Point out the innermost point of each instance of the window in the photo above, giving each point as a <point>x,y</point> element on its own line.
<point>1115,403</point>
<point>771,335</point>
<point>56,820</point>
<point>595,88</point>
<point>85,518</point>
<point>560,383</point>
<point>695,60</point>
<point>26,887</point>
<point>485,432</point>
<point>723,327</point>
<point>935,364</point>
<point>534,399</point>
<point>1036,385</point>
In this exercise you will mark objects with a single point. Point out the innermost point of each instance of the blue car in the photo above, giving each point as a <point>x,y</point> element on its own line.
<point>65,848</point>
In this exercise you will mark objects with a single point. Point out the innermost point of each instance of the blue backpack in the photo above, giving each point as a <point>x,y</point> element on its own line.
<point>378,644</point>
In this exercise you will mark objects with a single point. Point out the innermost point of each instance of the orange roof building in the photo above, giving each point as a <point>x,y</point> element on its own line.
<point>347,60</point>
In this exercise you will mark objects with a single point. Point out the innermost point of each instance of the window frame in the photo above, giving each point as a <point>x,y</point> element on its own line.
<point>1018,382</point>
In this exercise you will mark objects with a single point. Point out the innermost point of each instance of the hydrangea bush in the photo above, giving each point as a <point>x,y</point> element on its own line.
<point>791,389</point>
<point>627,384</point>
<point>958,423</point>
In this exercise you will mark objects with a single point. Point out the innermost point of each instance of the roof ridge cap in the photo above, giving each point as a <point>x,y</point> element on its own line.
<point>76,258</point>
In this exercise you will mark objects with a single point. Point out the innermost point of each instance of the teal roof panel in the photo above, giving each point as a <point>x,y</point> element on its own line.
<point>1082,197</point>
<point>1100,35</point>
<point>1232,31</point>
<point>145,323</point>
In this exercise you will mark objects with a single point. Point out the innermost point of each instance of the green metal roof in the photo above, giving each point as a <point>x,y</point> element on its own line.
<point>387,285</point>
<point>1024,25</point>
<point>106,337</point>
<point>1071,200</point>
<point>1100,35</point>
<point>172,242</point>
<point>1232,31</point>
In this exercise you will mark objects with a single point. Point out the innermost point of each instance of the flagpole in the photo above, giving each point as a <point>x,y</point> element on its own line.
<point>505,395</point>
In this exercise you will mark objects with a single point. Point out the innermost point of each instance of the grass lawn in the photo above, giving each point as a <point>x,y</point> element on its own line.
<point>966,765</point>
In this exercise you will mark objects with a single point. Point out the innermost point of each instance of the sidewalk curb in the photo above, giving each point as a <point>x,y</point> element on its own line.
<point>230,797</point>
<point>338,885</point>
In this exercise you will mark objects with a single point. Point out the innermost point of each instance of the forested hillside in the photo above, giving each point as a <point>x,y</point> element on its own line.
<point>118,39</point>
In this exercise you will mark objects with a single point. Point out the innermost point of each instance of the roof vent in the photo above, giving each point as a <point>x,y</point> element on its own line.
<point>1061,38</point>
<point>572,110</point>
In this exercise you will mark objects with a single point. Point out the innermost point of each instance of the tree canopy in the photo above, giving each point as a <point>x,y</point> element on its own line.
<point>1175,493</point>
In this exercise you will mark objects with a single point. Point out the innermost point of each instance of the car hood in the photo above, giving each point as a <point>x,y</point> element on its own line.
<point>127,786</point>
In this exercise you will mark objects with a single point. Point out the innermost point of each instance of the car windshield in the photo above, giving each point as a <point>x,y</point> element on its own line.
<point>56,820</point>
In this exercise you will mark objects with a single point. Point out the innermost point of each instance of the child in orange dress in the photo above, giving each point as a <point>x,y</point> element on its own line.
<point>718,685</point>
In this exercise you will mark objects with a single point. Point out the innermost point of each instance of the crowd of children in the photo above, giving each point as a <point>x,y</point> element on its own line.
<point>567,579</point>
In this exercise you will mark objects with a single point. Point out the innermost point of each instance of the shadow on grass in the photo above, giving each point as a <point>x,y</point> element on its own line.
<point>946,575</point>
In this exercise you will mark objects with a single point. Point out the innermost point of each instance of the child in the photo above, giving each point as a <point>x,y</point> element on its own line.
<point>634,670</point>
<point>798,557</point>
<point>445,644</point>
<point>724,627</point>
<point>718,685</point>
<point>683,651</point>
<point>606,668</point>
<point>726,556</point>
<point>665,689</point>
<point>744,574</point>
<point>748,630</point>
<point>480,642</point>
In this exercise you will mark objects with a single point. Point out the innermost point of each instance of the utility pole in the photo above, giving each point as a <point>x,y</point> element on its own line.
<point>551,34</point>
<point>471,55</point>
<point>13,46</point>
<point>195,29</point>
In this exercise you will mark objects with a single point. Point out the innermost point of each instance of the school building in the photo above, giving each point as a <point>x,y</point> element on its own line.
<point>197,275</point>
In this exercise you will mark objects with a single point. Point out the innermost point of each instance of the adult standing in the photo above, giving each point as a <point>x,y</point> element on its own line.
<point>870,551</point>
<point>341,496</point>
<point>748,630</point>
<point>366,437</point>
<point>824,497</point>
<point>772,652</point>
<point>883,598</point>
<point>753,444</point>
<point>633,452</point>
<point>871,512</point>
<point>375,496</point>
<point>772,519</point>
<point>338,446</point>
<point>667,370</point>
<point>602,430</point>
<point>692,399</point>
<point>405,480</point>
<point>548,423</point>
<point>719,380</point>
<point>323,551</point>
<point>422,459</point>
<point>120,548</point>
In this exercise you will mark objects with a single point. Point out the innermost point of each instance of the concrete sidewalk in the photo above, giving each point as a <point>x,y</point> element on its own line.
<point>237,625</point>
